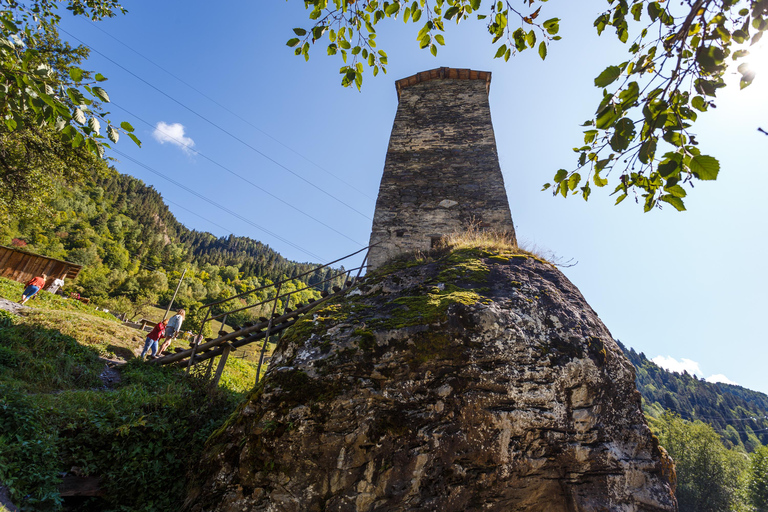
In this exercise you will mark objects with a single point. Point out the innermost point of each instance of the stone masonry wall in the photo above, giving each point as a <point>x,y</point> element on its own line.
<point>442,169</point>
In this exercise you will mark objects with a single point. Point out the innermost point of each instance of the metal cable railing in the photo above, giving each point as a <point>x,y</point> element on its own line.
<point>223,343</point>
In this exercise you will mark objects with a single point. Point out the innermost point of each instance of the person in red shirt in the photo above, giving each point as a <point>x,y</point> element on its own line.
<point>33,286</point>
<point>152,338</point>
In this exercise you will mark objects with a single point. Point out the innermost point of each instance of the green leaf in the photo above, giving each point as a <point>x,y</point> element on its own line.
<point>676,190</point>
<point>608,76</point>
<point>599,182</point>
<point>134,139</point>
<point>704,167</point>
<point>606,117</point>
<point>76,74</point>
<point>125,125</point>
<point>100,78</point>
<point>392,8</point>
<point>530,38</point>
<point>94,124</point>
<point>699,104</point>
<point>574,180</point>
<point>620,198</point>
<point>542,50</point>
<point>674,201</point>
<point>292,42</point>
<point>440,39</point>
<point>100,93</point>
<point>560,175</point>
<point>551,26</point>
<point>647,150</point>
<point>112,133</point>
<point>300,32</point>
<point>79,116</point>
<point>500,52</point>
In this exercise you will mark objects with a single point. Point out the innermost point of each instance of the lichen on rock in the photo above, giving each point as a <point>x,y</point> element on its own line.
<point>479,381</point>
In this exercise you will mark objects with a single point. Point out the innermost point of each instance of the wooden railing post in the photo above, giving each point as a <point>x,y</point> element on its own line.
<point>266,335</point>
<point>196,341</point>
<point>226,349</point>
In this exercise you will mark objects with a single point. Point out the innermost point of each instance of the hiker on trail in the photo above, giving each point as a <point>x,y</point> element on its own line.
<point>57,283</point>
<point>173,329</point>
<point>152,339</point>
<point>33,286</point>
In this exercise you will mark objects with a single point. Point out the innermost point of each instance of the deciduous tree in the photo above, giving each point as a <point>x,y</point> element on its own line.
<point>641,134</point>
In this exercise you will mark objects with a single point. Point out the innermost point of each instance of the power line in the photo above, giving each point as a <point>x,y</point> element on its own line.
<point>182,143</point>
<point>246,121</point>
<point>217,205</point>
<point>217,126</point>
<point>226,230</point>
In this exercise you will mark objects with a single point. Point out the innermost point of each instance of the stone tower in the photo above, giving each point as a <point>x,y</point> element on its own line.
<point>442,169</point>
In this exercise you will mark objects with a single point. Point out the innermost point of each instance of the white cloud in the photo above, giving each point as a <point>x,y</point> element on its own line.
<point>173,134</point>
<point>673,365</point>
<point>721,378</point>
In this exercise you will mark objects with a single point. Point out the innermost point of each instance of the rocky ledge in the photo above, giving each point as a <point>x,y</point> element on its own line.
<point>477,381</point>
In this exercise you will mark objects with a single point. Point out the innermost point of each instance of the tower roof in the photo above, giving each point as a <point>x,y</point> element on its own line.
<point>442,73</point>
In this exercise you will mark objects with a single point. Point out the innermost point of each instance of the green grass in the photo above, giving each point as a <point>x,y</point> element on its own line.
<point>55,412</point>
<point>12,290</point>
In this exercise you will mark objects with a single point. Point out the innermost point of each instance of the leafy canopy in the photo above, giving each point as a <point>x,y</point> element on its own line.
<point>641,130</point>
<point>37,91</point>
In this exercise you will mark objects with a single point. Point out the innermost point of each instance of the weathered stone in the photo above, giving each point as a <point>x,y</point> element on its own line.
<point>442,168</point>
<point>476,382</point>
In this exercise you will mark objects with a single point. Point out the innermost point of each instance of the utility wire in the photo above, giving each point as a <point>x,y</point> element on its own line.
<point>216,125</point>
<point>246,121</point>
<point>226,230</point>
<point>182,143</point>
<point>217,205</point>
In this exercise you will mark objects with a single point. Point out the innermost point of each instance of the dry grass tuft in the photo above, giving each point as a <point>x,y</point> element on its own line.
<point>476,237</point>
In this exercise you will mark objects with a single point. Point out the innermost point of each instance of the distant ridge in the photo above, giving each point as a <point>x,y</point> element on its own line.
<point>739,414</point>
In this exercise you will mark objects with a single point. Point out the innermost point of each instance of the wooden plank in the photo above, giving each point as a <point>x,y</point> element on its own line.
<point>225,350</point>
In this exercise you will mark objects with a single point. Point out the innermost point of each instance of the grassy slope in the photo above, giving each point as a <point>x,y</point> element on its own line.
<point>56,413</point>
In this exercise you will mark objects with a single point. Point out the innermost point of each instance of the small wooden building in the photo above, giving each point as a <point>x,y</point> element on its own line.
<point>22,266</point>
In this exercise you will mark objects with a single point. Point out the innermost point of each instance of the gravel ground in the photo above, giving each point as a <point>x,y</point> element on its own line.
<point>13,307</point>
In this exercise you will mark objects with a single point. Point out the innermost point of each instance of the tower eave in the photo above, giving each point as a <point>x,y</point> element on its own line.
<point>443,73</point>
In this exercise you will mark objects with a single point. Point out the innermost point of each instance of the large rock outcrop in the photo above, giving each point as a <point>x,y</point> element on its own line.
<point>478,381</point>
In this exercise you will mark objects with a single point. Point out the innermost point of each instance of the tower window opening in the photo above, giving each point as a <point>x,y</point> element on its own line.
<point>435,241</point>
<point>399,233</point>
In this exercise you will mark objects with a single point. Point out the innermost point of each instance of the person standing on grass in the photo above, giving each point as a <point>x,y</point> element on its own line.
<point>33,286</point>
<point>173,329</point>
<point>152,339</point>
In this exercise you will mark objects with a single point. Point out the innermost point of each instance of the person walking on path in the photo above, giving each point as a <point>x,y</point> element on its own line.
<point>152,339</point>
<point>173,329</point>
<point>33,286</point>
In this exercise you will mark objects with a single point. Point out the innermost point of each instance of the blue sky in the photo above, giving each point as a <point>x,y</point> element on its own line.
<point>685,288</point>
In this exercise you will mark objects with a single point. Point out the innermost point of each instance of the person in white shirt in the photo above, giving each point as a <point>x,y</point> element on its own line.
<point>173,329</point>
<point>57,283</point>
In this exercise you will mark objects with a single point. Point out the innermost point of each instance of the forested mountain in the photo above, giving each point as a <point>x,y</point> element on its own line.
<point>133,248</point>
<point>739,414</point>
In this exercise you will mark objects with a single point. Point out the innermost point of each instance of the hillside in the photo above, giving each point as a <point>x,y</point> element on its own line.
<point>134,250</point>
<point>739,414</point>
<point>81,411</point>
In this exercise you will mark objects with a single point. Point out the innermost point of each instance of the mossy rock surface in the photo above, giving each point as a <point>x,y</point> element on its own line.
<point>474,381</point>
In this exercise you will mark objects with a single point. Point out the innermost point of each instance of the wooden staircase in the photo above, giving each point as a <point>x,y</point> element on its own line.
<point>226,342</point>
